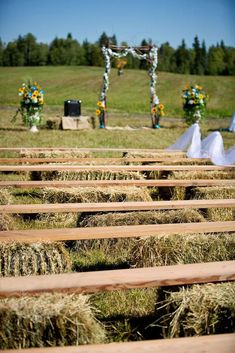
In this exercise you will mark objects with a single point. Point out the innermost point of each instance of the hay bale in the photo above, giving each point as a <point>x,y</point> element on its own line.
<point>54,153</point>
<point>5,197</point>
<point>57,220</point>
<point>21,259</point>
<point>92,194</point>
<point>179,192</point>
<point>84,175</point>
<point>162,154</point>
<point>48,320</point>
<point>199,310</point>
<point>6,222</point>
<point>207,174</point>
<point>119,251</point>
<point>217,192</point>
<point>182,249</point>
<point>142,217</point>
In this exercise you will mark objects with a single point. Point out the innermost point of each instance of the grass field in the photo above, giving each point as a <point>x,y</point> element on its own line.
<point>127,94</point>
<point>128,104</point>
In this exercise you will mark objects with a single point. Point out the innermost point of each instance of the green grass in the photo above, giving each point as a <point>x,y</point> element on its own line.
<point>127,94</point>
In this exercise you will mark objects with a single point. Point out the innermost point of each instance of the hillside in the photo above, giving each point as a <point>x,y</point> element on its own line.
<point>127,94</point>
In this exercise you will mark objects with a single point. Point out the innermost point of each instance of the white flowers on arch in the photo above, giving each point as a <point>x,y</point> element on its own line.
<point>151,56</point>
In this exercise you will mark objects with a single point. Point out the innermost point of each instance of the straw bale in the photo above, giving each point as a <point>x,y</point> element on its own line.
<point>57,220</point>
<point>142,217</point>
<point>179,192</point>
<point>182,249</point>
<point>120,250</point>
<point>6,222</point>
<point>199,310</point>
<point>22,259</point>
<point>207,174</point>
<point>84,175</point>
<point>5,196</point>
<point>217,192</point>
<point>92,194</point>
<point>48,320</point>
<point>54,153</point>
<point>161,154</point>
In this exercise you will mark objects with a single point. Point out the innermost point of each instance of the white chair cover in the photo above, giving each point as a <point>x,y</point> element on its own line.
<point>211,147</point>
<point>232,123</point>
<point>186,139</point>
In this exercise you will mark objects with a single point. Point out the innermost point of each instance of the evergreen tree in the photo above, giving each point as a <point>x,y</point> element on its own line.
<point>103,40</point>
<point>181,59</point>
<point>198,68</point>
<point>143,64</point>
<point>216,63</point>
<point>165,55</point>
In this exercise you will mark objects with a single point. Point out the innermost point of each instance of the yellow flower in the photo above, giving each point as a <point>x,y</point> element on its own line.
<point>201,96</point>
<point>98,112</point>
<point>100,104</point>
<point>154,110</point>
<point>161,106</point>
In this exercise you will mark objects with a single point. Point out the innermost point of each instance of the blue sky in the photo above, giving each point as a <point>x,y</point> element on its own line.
<point>129,20</point>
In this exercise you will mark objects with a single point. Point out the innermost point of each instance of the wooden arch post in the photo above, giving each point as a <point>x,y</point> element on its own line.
<point>148,53</point>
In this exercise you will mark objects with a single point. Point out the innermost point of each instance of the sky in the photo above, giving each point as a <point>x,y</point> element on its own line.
<point>130,20</point>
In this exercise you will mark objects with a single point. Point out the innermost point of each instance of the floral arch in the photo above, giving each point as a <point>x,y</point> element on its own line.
<point>148,53</point>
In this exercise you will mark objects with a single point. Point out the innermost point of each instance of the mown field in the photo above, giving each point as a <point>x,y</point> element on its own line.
<point>128,104</point>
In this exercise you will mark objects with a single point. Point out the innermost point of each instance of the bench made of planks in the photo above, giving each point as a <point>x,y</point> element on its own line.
<point>83,233</point>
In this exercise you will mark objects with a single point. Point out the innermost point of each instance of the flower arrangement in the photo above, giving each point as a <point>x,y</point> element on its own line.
<point>194,103</point>
<point>31,104</point>
<point>100,112</point>
<point>157,111</point>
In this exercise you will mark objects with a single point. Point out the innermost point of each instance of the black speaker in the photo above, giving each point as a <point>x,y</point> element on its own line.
<point>72,108</point>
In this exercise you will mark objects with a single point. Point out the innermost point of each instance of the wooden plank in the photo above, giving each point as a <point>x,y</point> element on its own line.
<point>112,168</point>
<point>100,160</point>
<point>104,183</point>
<point>89,149</point>
<point>63,234</point>
<point>222,343</point>
<point>96,281</point>
<point>116,206</point>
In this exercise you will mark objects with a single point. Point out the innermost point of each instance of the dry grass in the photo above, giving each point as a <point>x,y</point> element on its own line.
<point>182,249</point>
<point>6,222</point>
<point>217,192</point>
<point>215,174</point>
<point>56,220</point>
<point>84,175</point>
<point>19,259</point>
<point>92,194</point>
<point>199,310</point>
<point>48,320</point>
<point>54,153</point>
<point>118,252</point>
<point>142,217</point>
<point>5,196</point>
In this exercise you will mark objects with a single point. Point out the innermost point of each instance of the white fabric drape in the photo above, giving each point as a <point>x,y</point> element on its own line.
<point>211,147</point>
<point>232,123</point>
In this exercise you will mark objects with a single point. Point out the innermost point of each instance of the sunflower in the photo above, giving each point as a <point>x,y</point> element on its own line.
<point>98,112</point>
<point>154,110</point>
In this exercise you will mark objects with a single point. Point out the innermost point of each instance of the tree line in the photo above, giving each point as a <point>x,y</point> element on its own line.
<point>217,59</point>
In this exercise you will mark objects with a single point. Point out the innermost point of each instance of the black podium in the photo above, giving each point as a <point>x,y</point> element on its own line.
<point>72,108</point>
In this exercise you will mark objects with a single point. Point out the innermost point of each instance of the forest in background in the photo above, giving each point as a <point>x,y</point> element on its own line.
<point>217,59</point>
